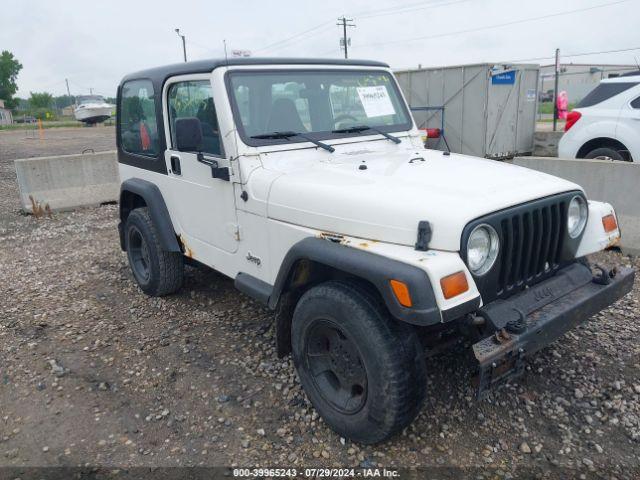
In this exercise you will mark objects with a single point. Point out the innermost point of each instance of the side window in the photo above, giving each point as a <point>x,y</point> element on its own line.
<point>195,99</point>
<point>636,103</point>
<point>603,92</point>
<point>138,126</point>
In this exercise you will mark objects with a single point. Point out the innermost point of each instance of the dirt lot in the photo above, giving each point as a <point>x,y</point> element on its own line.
<point>56,141</point>
<point>94,372</point>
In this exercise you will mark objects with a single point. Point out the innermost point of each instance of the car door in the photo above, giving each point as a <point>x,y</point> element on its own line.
<point>628,127</point>
<point>203,205</point>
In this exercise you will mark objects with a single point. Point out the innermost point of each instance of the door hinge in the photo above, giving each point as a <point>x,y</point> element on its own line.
<point>233,230</point>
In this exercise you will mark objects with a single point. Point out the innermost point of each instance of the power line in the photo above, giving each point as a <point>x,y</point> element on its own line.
<point>498,25</point>
<point>320,28</point>
<point>301,39</point>
<point>583,54</point>
<point>405,8</point>
<point>297,35</point>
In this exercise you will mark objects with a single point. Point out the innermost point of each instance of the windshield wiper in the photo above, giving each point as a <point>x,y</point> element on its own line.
<point>287,135</point>
<point>362,128</point>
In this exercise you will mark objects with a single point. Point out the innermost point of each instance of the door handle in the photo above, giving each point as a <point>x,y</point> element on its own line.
<point>175,165</point>
<point>216,171</point>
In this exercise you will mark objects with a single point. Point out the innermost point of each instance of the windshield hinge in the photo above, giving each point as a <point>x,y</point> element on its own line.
<point>424,235</point>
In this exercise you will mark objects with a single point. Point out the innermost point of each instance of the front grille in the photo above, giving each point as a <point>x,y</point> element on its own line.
<point>532,242</point>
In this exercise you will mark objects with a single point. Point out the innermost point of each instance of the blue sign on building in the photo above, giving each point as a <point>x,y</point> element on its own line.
<point>504,78</point>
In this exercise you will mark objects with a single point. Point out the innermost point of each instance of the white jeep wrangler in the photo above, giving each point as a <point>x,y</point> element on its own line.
<point>307,182</point>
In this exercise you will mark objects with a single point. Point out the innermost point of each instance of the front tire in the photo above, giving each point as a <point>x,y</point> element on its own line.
<point>156,271</point>
<point>363,371</point>
<point>604,153</point>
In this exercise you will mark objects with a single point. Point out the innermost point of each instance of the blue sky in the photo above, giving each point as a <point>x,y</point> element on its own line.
<point>94,44</point>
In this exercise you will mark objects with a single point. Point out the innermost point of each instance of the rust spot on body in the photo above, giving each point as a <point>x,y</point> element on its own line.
<point>614,243</point>
<point>187,250</point>
<point>333,237</point>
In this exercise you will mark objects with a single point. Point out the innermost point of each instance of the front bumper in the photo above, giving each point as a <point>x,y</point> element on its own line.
<point>531,320</point>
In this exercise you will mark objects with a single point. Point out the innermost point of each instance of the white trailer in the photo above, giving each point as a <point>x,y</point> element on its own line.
<point>486,110</point>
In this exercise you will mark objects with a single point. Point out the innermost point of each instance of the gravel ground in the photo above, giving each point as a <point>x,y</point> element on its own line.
<point>94,372</point>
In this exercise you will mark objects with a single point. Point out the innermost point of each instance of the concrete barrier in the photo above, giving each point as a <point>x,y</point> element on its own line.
<point>65,182</point>
<point>545,144</point>
<point>617,183</point>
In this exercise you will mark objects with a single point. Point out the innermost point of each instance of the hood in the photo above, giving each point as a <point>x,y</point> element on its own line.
<point>398,188</point>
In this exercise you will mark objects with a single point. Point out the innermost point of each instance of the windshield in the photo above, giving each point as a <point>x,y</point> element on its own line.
<point>90,99</point>
<point>315,103</point>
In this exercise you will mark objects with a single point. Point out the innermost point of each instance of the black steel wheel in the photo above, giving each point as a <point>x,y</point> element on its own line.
<point>156,271</point>
<point>139,254</point>
<point>363,371</point>
<point>336,367</point>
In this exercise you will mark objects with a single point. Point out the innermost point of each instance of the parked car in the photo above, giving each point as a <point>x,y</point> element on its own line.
<point>24,119</point>
<point>545,96</point>
<point>606,123</point>
<point>307,182</point>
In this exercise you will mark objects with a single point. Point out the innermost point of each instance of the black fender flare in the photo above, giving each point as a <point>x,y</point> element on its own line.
<point>152,196</point>
<point>376,269</point>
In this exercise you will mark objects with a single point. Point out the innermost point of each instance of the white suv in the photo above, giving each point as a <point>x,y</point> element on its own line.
<point>306,181</point>
<point>606,123</point>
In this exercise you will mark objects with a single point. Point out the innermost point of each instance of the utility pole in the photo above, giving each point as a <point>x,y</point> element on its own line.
<point>66,80</point>
<point>344,22</point>
<point>555,91</point>
<point>184,44</point>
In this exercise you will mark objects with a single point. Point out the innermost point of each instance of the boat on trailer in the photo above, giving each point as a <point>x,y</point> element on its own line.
<point>92,109</point>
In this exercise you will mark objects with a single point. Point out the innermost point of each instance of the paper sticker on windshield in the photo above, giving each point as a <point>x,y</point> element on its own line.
<point>376,101</point>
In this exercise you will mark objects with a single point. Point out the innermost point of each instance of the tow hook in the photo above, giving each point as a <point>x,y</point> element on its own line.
<point>501,336</point>
<point>604,276</point>
<point>519,325</point>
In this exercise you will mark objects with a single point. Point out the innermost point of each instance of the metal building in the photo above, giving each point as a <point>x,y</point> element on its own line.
<point>486,110</point>
<point>5,115</point>
<point>578,79</point>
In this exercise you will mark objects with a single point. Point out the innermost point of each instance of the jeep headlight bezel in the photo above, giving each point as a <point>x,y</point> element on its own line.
<point>577,215</point>
<point>483,246</point>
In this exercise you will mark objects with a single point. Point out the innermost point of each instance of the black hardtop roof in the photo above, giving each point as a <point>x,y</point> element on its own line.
<point>159,74</point>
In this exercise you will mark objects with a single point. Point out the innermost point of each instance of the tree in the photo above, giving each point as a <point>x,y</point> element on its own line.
<point>9,69</point>
<point>40,100</point>
<point>64,101</point>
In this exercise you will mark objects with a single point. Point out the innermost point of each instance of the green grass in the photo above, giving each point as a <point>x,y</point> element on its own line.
<point>547,107</point>
<point>50,124</point>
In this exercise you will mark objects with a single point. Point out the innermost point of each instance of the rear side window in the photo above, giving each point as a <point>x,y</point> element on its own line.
<point>603,92</point>
<point>138,126</point>
<point>636,103</point>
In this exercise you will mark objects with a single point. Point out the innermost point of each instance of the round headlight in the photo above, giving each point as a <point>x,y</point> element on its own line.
<point>576,216</point>
<point>482,249</point>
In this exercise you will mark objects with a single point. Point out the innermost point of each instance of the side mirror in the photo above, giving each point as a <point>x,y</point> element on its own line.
<point>188,134</point>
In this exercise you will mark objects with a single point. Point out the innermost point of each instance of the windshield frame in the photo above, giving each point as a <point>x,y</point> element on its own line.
<point>321,136</point>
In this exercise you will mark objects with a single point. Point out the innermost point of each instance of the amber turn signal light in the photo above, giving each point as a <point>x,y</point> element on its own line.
<point>401,291</point>
<point>454,284</point>
<point>609,223</point>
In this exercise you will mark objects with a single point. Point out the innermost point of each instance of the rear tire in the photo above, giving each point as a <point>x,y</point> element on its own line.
<point>604,153</point>
<point>156,271</point>
<point>363,371</point>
